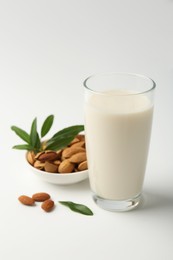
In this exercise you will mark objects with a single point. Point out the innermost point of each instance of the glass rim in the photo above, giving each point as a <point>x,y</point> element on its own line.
<point>120,73</point>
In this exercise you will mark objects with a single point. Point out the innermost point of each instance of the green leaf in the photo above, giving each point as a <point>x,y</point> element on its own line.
<point>33,133</point>
<point>71,130</point>
<point>80,208</point>
<point>58,143</point>
<point>62,138</point>
<point>21,133</point>
<point>47,125</point>
<point>23,147</point>
<point>38,144</point>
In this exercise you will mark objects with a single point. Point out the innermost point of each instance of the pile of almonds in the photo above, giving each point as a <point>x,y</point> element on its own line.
<point>47,204</point>
<point>70,159</point>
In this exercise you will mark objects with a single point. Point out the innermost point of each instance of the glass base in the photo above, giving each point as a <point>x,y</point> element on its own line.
<point>117,205</point>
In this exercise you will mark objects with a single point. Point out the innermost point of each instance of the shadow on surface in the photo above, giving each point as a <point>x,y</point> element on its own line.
<point>152,201</point>
<point>80,186</point>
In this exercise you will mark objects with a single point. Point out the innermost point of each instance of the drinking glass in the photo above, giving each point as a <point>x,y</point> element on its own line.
<point>118,120</point>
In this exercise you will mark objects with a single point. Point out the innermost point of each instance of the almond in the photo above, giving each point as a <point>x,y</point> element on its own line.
<point>79,144</point>
<point>39,165</point>
<point>66,167</point>
<point>78,157</point>
<point>68,152</point>
<point>40,196</point>
<point>83,166</point>
<point>47,205</point>
<point>26,200</point>
<point>75,140</point>
<point>38,154</point>
<point>30,156</point>
<point>81,137</point>
<point>50,167</point>
<point>57,162</point>
<point>46,156</point>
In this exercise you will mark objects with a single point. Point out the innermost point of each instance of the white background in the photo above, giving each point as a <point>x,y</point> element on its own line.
<point>47,49</point>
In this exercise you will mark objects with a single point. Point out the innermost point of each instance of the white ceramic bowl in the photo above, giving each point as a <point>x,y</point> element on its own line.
<point>58,178</point>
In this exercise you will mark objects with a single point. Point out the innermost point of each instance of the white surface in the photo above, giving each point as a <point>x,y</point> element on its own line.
<point>47,49</point>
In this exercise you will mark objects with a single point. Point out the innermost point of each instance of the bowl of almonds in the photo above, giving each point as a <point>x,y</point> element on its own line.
<point>65,166</point>
<point>61,159</point>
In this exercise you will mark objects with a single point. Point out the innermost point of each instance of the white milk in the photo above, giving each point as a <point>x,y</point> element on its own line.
<point>118,133</point>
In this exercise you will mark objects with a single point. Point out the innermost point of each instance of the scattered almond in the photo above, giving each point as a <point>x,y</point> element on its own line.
<point>47,205</point>
<point>40,196</point>
<point>26,200</point>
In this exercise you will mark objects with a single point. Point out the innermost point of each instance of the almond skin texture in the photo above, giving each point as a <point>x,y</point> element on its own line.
<point>47,156</point>
<point>79,144</point>
<point>30,157</point>
<point>40,196</point>
<point>50,167</point>
<point>57,162</point>
<point>47,205</point>
<point>26,200</point>
<point>66,167</point>
<point>81,137</point>
<point>75,140</point>
<point>83,166</point>
<point>68,152</point>
<point>39,165</point>
<point>78,157</point>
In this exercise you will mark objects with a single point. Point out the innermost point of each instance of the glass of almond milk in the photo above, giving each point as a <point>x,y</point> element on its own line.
<point>118,120</point>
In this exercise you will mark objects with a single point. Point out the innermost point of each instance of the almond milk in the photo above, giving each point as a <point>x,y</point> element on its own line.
<point>118,126</point>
